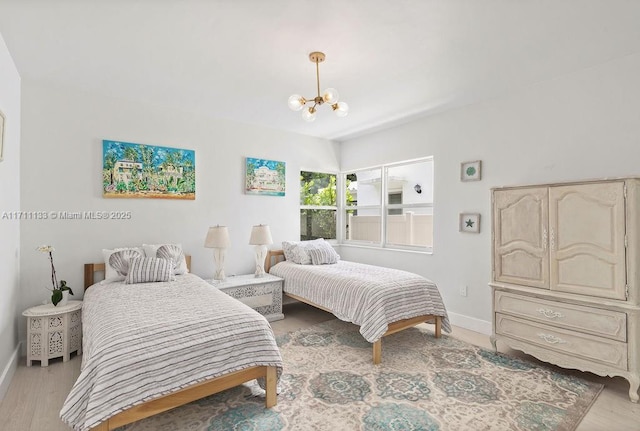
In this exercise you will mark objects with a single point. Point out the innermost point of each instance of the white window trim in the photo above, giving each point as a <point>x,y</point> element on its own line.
<point>383,208</point>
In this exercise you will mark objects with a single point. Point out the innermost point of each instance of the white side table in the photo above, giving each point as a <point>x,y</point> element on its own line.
<point>263,294</point>
<point>53,332</point>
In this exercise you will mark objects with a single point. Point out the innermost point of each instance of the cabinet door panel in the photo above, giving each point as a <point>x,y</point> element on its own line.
<point>587,228</point>
<point>520,236</point>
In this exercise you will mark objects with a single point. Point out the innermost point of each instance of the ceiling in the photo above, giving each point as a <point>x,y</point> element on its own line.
<point>240,60</point>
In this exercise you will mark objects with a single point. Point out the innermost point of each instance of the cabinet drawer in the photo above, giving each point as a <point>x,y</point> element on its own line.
<point>253,291</point>
<point>593,349</point>
<point>605,323</point>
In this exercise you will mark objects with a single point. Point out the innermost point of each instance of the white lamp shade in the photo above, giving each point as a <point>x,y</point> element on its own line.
<point>217,237</point>
<point>260,235</point>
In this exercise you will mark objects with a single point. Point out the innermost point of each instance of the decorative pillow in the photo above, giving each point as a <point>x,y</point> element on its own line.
<point>151,250</point>
<point>148,270</point>
<point>110,273</point>
<point>322,254</point>
<point>291,251</point>
<point>296,251</point>
<point>172,253</point>
<point>120,260</point>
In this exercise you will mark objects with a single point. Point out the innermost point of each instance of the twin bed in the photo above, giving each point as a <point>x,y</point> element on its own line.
<point>382,301</point>
<point>150,347</point>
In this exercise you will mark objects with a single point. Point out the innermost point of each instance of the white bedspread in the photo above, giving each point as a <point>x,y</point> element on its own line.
<point>369,296</point>
<point>142,341</point>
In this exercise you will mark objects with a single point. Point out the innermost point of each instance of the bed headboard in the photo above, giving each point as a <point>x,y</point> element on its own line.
<point>90,270</point>
<point>273,257</point>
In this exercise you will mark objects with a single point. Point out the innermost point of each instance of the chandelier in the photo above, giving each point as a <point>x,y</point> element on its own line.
<point>329,96</point>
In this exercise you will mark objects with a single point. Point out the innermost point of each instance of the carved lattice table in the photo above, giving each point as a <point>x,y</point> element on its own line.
<point>53,332</point>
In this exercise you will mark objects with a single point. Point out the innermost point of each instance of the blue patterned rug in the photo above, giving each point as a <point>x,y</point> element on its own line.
<point>329,383</point>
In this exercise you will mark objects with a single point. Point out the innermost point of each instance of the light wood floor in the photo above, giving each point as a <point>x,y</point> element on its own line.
<point>36,394</point>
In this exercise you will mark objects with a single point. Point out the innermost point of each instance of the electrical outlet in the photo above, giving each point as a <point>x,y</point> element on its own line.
<point>463,291</point>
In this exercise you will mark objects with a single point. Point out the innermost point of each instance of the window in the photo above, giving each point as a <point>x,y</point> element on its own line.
<point>390,205</point>
<point>363,205</point>
<point>395,198</point>
<point>318,205</point>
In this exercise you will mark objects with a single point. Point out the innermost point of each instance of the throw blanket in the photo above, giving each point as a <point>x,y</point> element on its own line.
<point>142,341</point>
<point>369,296</point>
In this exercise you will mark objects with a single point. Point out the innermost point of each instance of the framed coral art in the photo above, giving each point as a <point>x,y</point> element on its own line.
<point>264,177</point>
<point>147,171</point>
<point>471,171</point>
<point>470,222</point>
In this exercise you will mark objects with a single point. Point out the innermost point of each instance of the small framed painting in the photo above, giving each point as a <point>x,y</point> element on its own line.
<point>264,177</point>
<point>471,171</point>
<point>470,222</point>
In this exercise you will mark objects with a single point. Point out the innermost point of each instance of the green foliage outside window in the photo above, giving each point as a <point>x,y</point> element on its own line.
<point>320,190</point>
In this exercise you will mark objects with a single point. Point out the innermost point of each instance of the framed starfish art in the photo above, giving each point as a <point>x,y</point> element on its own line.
<point>470,222</point>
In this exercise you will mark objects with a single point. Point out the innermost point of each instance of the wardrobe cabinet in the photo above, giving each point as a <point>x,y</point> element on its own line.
<point>565,279</point>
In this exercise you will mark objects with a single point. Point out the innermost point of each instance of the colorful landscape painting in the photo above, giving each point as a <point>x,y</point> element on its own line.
<point>147,171</point>
<point>265,177</point>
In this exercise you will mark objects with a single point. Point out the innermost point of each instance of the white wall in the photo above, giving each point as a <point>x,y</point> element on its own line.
<point>61,170</point>
<point>9,229</point>
<point>584,125</point>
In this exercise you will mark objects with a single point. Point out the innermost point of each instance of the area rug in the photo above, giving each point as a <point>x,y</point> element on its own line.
<point>330,383</point>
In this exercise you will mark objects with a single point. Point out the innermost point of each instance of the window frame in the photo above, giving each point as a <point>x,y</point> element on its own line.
<point>383,207</point>
<point>323,207</point>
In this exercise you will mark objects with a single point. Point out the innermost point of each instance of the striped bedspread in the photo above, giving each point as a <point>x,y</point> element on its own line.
<point>142,341</point>
<point>369,296</point>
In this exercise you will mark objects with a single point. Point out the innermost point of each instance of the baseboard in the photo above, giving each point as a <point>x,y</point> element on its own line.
<point>470,323</point>
<point>9,371</point>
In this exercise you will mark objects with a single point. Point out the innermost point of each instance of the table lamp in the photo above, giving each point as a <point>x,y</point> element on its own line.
<point>218,239</point>
<point>260,237</point>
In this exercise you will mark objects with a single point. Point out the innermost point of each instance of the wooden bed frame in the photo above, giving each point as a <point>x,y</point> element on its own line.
<point>190,393</point>
<point>275,256</point>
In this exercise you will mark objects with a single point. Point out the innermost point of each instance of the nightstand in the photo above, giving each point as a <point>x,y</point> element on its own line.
<point>53,332</point>
<point>263,294</point>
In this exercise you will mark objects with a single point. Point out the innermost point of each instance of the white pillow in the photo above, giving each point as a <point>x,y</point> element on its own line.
<point>149,269</point>
<point>111,273</point>
<point>296,251</point>
<point>151,250</point>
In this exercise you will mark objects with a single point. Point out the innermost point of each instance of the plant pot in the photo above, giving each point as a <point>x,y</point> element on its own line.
<point>64,300</point>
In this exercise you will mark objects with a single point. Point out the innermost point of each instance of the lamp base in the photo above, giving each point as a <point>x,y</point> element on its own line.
<point>219,275</point>
<point>218,259</point>
<point>261,255</point>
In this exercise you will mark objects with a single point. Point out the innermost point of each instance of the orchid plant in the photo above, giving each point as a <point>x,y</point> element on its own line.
<point>56,291</point>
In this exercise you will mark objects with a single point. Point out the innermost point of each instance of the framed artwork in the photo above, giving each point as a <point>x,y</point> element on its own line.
<point>470,222</point>
<point>147,171</point>
<point>1,135</point>
<point>264,177</point>
<point>471,171</point>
